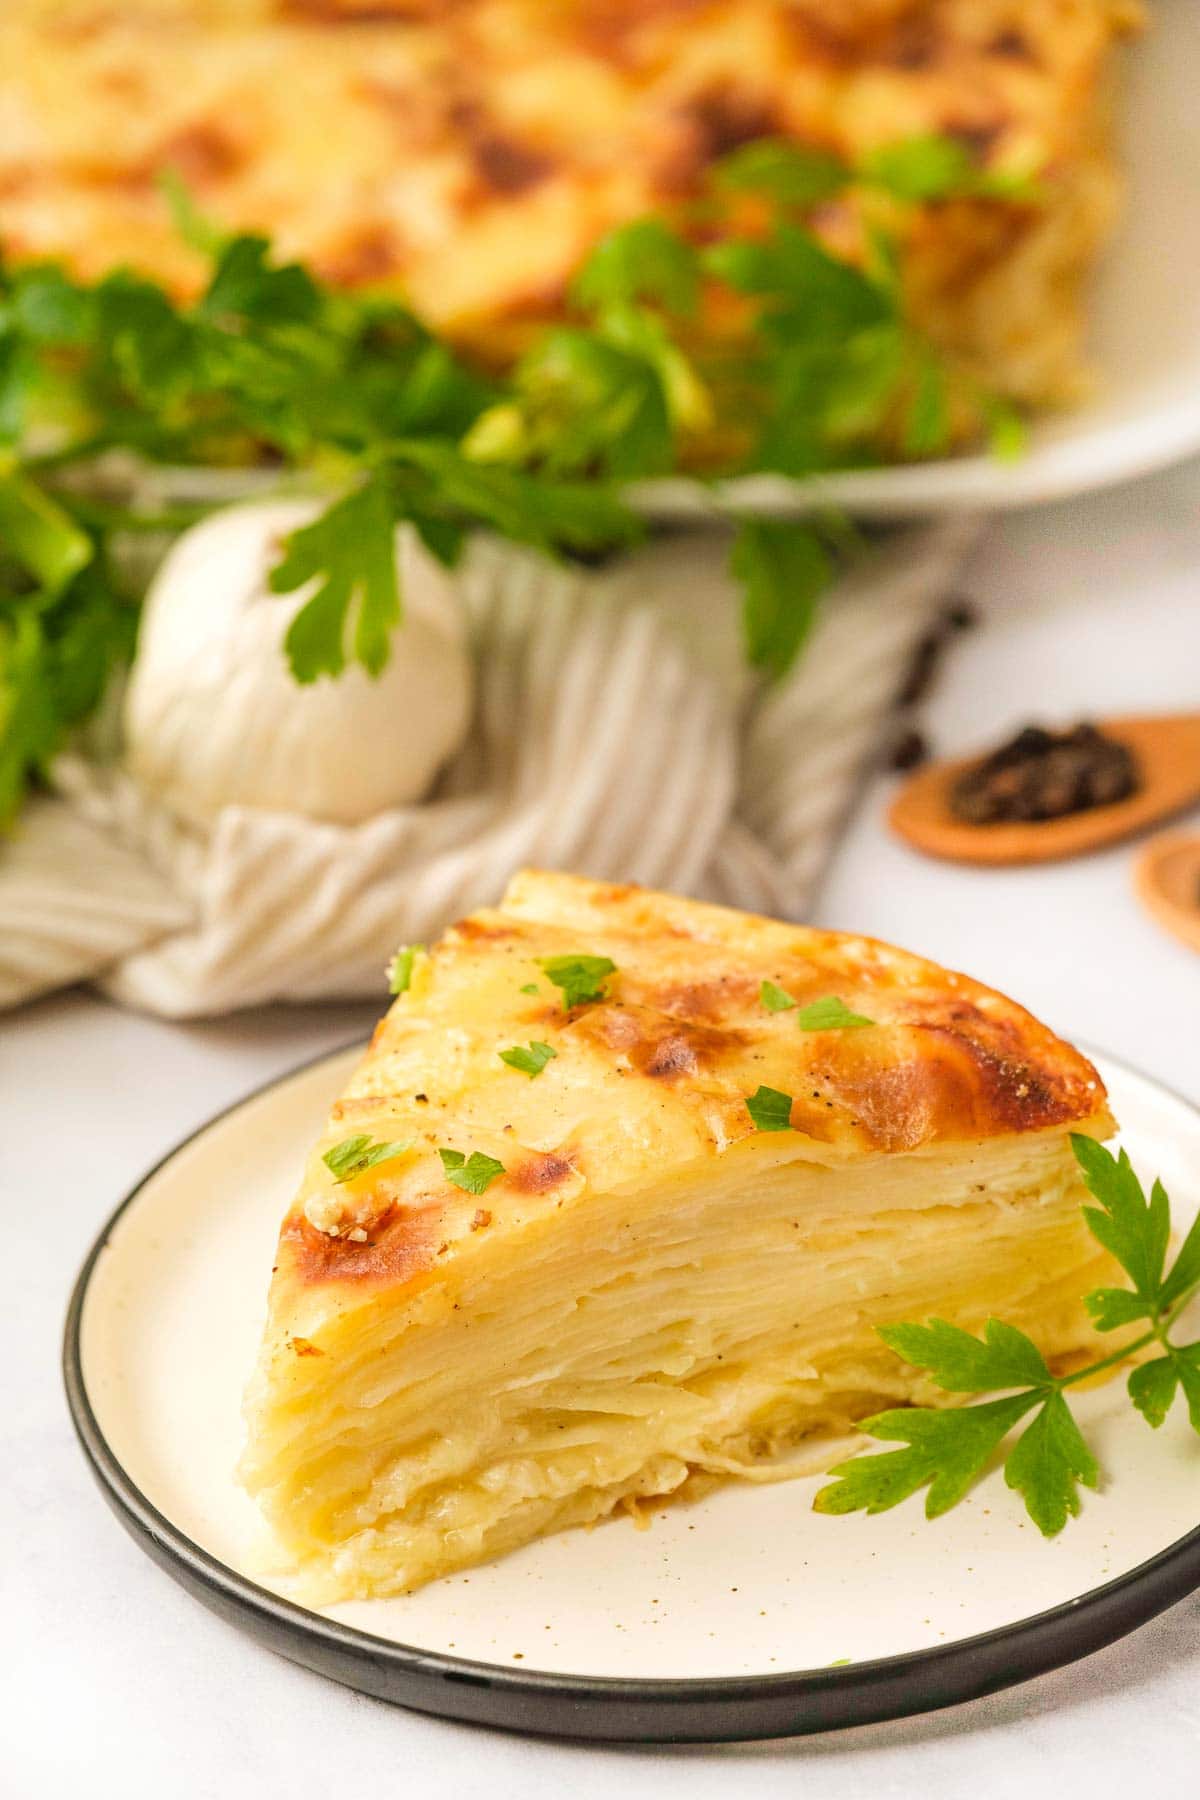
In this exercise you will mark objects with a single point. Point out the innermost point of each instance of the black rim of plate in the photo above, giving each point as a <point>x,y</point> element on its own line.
<point>610,1708</point>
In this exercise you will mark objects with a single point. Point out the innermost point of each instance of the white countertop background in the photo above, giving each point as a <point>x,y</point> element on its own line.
<point>114,1683</point>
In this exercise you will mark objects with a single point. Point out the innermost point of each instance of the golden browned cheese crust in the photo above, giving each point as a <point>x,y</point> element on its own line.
<point>470,152</point>
<point>651,1080</point>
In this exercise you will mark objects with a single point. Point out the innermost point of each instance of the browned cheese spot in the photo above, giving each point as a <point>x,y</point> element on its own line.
<point>401,1244</point>
<point>542,1173</point>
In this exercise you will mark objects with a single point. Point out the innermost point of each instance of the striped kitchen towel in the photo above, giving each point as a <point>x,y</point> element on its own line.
<point>617,733</point>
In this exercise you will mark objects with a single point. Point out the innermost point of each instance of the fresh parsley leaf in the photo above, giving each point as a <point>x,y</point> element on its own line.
<point>473,1174</point>
<point>1187,1362</point>
<point>932,167</point>
<point>1184,1273</point>
<point>37,533</point>
<point>927,420</point>
<point>1132,1229</point>
<point>770,1109</point>
<point>245,284</point>
<point>1154,1385</point>
<point>1007,433</point>
<point>581,978</point>
<point>812,294</point>
<point>29,726</point>
<point>962,1363</point>
<point>551,515</point>
<point>400,969</point>
<point>929,167</point>
<point>350,551</point>
<point>775,998</point>
<point>784,172</point>
<point>531,1059</point>
<point>830,1014</point>
<point>783,568</point>
<point>193,226</point>
<point>1110,1308</point>
<point>644,260</point>
<point>583,405</point>
<point>947,1452</point>
<point>50,309</point>
<point>1047,1462</point>
<point>355,1155</point>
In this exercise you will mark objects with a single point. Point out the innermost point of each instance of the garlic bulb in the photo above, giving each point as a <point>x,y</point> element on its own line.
<point>213,716</point>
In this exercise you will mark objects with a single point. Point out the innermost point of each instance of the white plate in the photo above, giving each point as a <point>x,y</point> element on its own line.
<point>1145,336</point>
<point>724,1618</point>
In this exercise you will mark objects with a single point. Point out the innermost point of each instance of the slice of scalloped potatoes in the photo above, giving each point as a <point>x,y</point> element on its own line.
<point>651,1291</point>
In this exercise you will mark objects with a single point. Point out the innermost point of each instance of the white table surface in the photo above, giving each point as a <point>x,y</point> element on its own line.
<point>115,1683</point>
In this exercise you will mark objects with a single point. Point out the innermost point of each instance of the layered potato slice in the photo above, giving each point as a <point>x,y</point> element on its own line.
<point>645,1290</point>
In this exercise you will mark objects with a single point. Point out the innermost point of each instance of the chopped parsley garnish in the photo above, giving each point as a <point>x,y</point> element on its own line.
<point>770,1109</point>
<point>581,978</point>
<point>775,998</point>
<point>531,987</point>
<point>400,969</point>
<point>947,1450</point>
<point>474,1174</point>
<point>355,1155</point>
<point>531,1059</point>
<point>830,1014</point>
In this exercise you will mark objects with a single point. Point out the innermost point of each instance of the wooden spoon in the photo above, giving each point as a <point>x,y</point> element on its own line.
<point>1167,879</point>
<point>1167,748</point>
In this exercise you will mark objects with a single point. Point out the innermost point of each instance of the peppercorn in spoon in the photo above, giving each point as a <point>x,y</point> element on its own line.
<point>1049,794</point>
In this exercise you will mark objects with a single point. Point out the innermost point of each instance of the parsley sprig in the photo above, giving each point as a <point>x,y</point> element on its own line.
<point>947,1450</point>
<point>352,394</point>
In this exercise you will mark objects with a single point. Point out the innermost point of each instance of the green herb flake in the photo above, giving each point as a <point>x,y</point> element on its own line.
<point>830,1014</point>
<point>474,1174</point>
<point>581,978</point>
<point>770,1109</point>
<point>775,998</point>
<point>355,1155</point>
<point>400,969</point>
<point>529,1059</point>
<point>531,987</point>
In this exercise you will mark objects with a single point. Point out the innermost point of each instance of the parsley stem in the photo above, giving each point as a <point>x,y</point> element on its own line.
<point>1108,1362</point>
<point>1184,1300</point>
<point>1156,1334</point>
